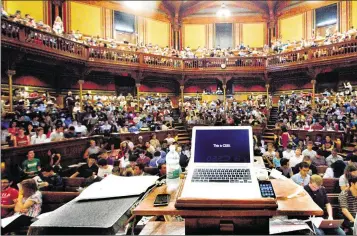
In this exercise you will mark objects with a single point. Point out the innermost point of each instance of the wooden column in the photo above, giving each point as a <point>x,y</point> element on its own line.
<point>80,82</point>
<point>313,82</point>
<point>267,94</point>
<point>138,94</point>
<point>224,95</point>
<point>10,73</point>
<point>182,87</point>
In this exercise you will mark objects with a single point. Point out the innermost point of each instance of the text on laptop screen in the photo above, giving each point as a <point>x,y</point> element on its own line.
<point>222,146</point>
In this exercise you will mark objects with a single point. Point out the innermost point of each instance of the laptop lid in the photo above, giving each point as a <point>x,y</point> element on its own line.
<point>330,224</point>
<point>227,145</point>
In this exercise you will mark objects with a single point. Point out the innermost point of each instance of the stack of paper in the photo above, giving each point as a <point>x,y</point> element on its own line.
<point>117,186</point>
<point>278,226</point>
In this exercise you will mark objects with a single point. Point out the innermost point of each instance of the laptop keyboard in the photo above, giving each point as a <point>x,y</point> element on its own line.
<point>221,175</point>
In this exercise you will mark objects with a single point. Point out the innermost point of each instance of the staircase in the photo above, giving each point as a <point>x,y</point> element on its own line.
<point>268,135</point>
<point>183,136</point>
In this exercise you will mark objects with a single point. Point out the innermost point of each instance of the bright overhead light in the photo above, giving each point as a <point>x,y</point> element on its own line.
<point>223,11</point>
<point>140,5</point>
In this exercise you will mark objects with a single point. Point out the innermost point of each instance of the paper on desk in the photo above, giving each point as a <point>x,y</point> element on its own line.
<point>117,186</point>
<point>6,221</point>
<point>278,226</point>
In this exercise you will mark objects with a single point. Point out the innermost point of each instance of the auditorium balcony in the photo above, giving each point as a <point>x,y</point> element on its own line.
<point>18,38</point>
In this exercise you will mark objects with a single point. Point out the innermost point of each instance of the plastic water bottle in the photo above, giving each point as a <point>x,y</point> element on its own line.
<point>173,169</point>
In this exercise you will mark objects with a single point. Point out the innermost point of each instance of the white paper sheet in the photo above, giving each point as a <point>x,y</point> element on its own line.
<point>278,226</point>
<point>6,221</point>
<point>117,186</point>
<point>316,221</point>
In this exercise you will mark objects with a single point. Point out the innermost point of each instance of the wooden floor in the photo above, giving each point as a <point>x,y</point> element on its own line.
<point>164,228</point>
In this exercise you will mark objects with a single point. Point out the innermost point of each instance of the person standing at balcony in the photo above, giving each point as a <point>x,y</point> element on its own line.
<point>58,26</point>
<point>70,101</point>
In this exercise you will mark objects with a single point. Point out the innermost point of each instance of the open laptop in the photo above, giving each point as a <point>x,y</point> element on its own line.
<point>330,224</point>
<point>221,165</point>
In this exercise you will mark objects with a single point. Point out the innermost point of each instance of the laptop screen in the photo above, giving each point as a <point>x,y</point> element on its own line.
<point>222,146</point>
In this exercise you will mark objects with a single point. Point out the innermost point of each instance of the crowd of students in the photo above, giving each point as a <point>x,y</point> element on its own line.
<point>201,52</point>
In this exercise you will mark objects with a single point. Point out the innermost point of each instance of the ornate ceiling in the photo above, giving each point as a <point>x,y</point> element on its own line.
<point>182,10</point>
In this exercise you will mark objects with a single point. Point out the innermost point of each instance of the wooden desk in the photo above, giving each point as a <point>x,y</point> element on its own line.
<point>212,221</point>
<point>164,228</point>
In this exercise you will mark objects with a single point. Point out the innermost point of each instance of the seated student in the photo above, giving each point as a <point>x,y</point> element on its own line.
<point>333,157</point>
<point>103,154</point>
<point>55,163</point>
<point>162,169</point>
<point>104,169</point>
<point>285,168</point>
<point>8,197</point>
<point>302,178</point>
<point>93,149</point>
<point>57,135</point>
<point>350,171</point>
<point>288,153</point>
<point>154,161</point>
<point>307,159</point>
<point>318,193</point>
<point>21,139</point>
<point>308,151</point>
<point>336,170</point>
<point>139,169</point>
<point>50,180</point>
<point>143,159</point>
<point>28,203</point>
<point>348,203</point>
<point>32,165</point>
<point>297,158</point>
<point>319,159</point>
<point>71,132</point>
<point>88,169</point>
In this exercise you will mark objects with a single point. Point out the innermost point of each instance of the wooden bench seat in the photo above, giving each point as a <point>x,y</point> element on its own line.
<point>53,200</point>
<point>71,185</point>
<point>331,185</point>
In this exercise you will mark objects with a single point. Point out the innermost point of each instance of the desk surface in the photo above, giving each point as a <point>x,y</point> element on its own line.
<point>301,205</point>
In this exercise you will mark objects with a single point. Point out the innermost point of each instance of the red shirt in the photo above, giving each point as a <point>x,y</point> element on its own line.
<point>7,198</point>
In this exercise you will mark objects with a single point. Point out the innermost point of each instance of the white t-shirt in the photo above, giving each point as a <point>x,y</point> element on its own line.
<point>294,160</point>
<point>37,140</point>
<point>329,173</point>
<point>170,140</point>
<point>105,172</point>
<point>311,154</point>
<point>56,136</point>
<point>288,155</point>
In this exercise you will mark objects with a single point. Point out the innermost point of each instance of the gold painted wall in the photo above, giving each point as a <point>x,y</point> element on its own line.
<point>157,32</point>
<point>354,14</point>
<point>34,8</point>
<point>194,35</point>
<point>86,18</point>
<point>253,34</point>
<point>291,28</point>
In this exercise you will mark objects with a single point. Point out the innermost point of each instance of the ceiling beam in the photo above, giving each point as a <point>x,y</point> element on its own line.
<point>271,6</point>
<point>165,8</point>
<point>197,7</point>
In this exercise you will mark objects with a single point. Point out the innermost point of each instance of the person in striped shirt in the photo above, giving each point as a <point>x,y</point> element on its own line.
<point>348,203</point>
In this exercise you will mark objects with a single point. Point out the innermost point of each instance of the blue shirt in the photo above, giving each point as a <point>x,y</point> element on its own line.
<point>298,179</point>
<point>276,162</point>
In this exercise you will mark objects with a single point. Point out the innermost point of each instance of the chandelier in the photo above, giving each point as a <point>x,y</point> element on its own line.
<point>223,11</point>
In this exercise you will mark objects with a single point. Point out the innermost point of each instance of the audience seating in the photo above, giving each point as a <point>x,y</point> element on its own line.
<point>321,169</point>
<point>151,170</point>
<point>53,200</point>
<point>71,185</point>
<point>331,185</point>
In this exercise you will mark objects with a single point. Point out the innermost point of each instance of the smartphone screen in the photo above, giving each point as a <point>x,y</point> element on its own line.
<point>162,200</point>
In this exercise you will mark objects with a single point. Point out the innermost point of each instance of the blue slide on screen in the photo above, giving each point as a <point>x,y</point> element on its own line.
<point>222,146</point>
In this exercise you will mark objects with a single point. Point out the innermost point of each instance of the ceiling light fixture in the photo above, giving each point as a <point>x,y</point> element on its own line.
<point>223,11</point>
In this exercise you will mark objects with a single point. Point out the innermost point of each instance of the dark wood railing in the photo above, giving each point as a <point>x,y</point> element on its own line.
<point>22,35</point>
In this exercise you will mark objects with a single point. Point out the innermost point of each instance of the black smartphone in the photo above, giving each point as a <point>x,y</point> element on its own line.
<point>162,200</point>
<point>266,189</point>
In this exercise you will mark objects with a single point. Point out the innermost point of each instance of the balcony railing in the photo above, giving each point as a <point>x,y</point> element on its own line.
<point>21,35</point>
